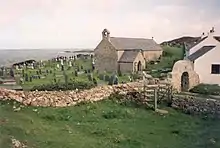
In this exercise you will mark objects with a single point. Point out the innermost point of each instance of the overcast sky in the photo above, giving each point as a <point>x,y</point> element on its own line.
<point>79,23</point>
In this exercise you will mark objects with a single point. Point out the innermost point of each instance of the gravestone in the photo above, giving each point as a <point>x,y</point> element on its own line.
<point>26,77</point>
<point>95,81</point>
<point>58,66</point>
<point>12,73</point>
<point>90,77</point>
<point>70,64</point>
<point>1,72</point>
<point>40,72</point>
<point>31,78</point>
<point>116,81</point>
<point>76,73</point>
<point>62,67</point>
<point>23,73</point>
<point>61,62</point>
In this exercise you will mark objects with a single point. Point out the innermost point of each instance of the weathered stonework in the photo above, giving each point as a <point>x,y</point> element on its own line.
<point>111,53</point>
<point>152,55</point>
<point>178,69</point>
<point>106,57</point>
<point>66,98</point>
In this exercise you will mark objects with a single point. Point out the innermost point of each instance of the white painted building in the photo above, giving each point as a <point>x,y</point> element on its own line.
<point>205,55</point>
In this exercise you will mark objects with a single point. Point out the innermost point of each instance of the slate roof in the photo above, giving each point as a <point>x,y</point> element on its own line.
<point>217,38</point>
<point>193,45</point>
<point>134,43</point>
<point>129,56</point>
<point>200,52</point>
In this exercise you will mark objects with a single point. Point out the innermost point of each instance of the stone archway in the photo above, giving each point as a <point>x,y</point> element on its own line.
<point>139,66</point>
<point>185,81</point>
<point>183,76</point>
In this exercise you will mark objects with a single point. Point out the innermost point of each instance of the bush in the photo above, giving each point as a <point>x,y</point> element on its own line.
<point>101,76</point>
<point>206,89</point>
<point>81,85</point>
<point>107,78</point>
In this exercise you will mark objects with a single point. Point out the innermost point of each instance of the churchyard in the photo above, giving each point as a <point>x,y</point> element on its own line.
<point>63,72</point>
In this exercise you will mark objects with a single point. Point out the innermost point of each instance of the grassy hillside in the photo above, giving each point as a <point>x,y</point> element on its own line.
<point>105,124</point>
<point>169,57</point>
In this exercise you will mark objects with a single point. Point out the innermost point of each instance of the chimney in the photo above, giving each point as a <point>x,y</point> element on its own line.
<point>203,35</point>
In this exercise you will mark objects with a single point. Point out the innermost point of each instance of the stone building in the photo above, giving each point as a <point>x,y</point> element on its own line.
<point>125,54</point>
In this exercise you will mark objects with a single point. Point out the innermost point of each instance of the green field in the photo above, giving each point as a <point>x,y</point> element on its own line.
<point>105,124</point>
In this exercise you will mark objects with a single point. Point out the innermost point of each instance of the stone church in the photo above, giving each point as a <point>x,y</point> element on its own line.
<point>125,54</point>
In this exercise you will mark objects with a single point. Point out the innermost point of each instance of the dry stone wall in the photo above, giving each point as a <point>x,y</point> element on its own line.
<point>66,98</point>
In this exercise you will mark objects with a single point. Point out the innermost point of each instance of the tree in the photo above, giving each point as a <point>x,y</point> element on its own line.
<point>184,51</point>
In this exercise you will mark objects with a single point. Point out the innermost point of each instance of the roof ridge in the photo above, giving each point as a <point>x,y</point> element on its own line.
<point>132,38</point>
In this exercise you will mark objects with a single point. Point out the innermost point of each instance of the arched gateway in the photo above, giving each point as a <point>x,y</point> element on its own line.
<point>183,76</point>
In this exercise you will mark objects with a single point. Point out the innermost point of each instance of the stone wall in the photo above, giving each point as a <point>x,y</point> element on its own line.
<point>191,105</point>
<point>66,98</point>
<point>152,55</point>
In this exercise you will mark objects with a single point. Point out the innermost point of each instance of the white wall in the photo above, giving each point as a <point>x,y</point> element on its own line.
<point>207,42</point>
<point>203,66</point>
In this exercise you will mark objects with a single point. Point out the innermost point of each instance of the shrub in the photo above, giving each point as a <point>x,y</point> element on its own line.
<point>95,82</point>
<point>107,78</point>
<point>90,77</point>
<point>101,76</point>
<point>81,85</point>
<point>206,89</point>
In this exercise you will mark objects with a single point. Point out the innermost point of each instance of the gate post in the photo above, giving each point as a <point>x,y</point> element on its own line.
<point>155,98</point>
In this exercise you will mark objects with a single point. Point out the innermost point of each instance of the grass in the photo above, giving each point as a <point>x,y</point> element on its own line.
<point>170,56</point>
<point>49,78</point>
<point>105,124</point>
<point>206,89</point>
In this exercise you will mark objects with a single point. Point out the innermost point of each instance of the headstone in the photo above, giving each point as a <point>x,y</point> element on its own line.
<point>58,66</point>
<point>21,81</point>
<point>32,65</point>
<point>95,81</point>
<point>26,77</point>
<point>16,67</point>
<point>62,67</point>
<point>70,63</point>
<point>76,73</point>
<point>31,78</point>
<point>12,73</point>
<point>61,62</point>
<point>90,77</point>
<point>40,72</point>
<point>23,73</point>
<point>116,80</point>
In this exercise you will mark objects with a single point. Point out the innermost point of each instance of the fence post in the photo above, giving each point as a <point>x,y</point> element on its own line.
<point>155,98</point>
<point>144,91</point>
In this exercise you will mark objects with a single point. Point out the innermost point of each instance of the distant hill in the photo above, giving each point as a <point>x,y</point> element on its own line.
<point>179,41</point>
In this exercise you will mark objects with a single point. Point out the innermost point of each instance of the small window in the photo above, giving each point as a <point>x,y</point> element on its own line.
<point>215,69</point>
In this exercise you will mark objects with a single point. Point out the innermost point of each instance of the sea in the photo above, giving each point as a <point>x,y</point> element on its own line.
<point>11,56</point>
